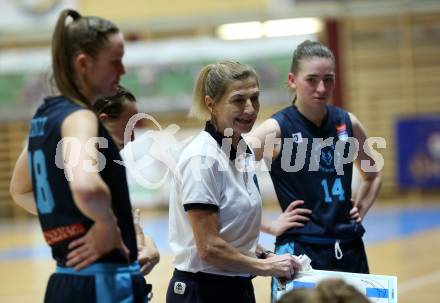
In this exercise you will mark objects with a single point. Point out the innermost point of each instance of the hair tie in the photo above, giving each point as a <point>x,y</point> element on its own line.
<point>74,14</point>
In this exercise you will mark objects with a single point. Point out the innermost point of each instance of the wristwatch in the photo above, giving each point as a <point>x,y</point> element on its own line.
<point>264,254</point>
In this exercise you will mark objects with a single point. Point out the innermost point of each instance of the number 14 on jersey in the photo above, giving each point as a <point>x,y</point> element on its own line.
<point>333,191</point>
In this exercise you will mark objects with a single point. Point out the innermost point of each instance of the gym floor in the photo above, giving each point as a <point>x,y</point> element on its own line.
<point>403,241</point>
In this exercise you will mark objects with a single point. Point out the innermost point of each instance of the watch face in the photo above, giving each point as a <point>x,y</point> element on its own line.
<point>36,6</point>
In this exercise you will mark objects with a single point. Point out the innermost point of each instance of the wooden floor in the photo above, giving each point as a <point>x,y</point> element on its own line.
<point>412,256</point>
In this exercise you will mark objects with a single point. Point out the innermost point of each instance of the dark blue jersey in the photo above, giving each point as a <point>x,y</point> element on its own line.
<point>60,218</point>
<point>309,168</point>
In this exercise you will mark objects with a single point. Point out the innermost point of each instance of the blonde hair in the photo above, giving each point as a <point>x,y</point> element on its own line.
<point>213,81</point>
<point>84,34</point>
<point>327,291</point>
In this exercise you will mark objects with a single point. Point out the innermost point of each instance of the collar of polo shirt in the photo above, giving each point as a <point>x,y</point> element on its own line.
<point>212,130</point>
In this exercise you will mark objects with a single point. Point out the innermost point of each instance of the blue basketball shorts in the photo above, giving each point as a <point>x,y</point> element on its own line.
<point>97,283</point>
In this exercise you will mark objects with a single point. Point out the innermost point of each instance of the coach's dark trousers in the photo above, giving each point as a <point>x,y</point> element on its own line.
<point>186,287</point>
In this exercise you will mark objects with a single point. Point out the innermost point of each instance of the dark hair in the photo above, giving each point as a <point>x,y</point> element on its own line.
<point>309,49</point>
<point>84,34</point>
<point>213,80</point>
<point>112,106</point>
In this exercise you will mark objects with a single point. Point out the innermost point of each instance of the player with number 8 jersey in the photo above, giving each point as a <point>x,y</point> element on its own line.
<point>63,222</point>
<point>69,172</point>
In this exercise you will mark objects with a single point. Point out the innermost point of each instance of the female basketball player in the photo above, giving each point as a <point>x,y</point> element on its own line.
<point>308,164</point>
<point>80,192</point>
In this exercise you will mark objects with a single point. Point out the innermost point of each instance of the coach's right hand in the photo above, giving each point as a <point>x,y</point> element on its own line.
<point>282,266</point>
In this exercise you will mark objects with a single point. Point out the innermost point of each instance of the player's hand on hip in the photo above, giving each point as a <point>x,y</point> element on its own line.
<point>98,241</point>
<point>293,216</point>
<point>355,212</point>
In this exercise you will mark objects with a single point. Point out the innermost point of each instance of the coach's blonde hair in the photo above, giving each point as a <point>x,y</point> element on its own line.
<point>213,80</point>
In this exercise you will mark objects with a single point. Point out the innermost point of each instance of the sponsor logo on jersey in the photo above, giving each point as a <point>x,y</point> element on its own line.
<point>297,137</point>
<point>341,130</point>
<point>61,233</point>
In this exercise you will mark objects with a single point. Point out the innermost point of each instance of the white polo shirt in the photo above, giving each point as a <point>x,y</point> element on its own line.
<point>208,178</point>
